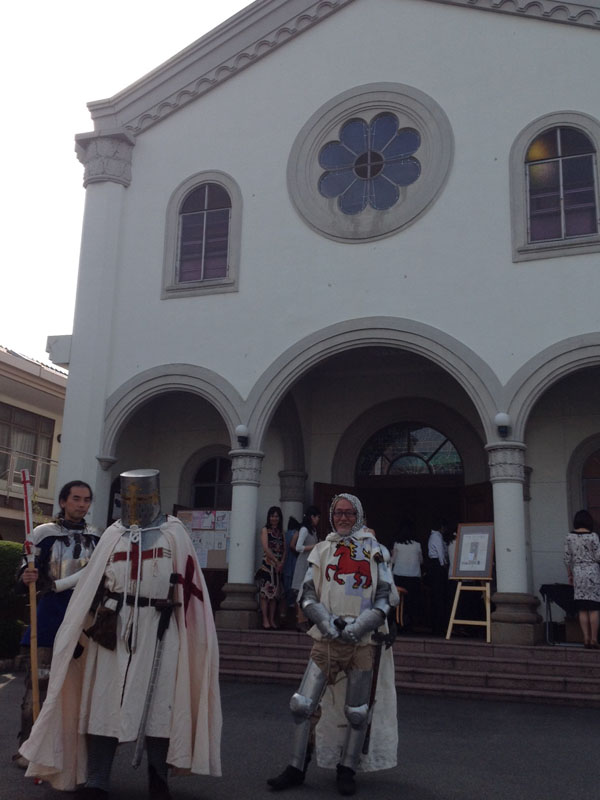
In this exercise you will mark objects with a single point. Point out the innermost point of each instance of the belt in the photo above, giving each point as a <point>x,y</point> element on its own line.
<point>130,599</point>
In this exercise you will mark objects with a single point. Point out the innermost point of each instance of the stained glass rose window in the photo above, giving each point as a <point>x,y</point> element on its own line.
<point>369,163</point>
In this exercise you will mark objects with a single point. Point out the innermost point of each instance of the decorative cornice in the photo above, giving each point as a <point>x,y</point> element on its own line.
<point>106,462</point>
<point>292,484</point>
<point>583,14</point>
<point>246,467</point>
<point>106,156</point>
<point>507,462</point>
<point>211,60</point>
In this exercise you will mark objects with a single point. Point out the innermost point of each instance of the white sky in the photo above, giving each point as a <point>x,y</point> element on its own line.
<point>55,58</point>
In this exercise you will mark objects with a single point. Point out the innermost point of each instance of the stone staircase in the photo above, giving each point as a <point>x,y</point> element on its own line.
<point>456,668</point>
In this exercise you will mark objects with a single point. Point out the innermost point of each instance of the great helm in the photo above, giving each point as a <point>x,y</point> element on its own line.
<point>140,497</point>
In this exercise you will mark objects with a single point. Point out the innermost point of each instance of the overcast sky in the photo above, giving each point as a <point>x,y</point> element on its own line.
<point>55,58</point>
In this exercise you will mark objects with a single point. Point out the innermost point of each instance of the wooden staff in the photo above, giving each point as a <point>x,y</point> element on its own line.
<point>30,554</point>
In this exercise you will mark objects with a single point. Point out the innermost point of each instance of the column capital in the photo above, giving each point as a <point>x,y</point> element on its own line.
<point>246,466</point>
<point>292,485</point>
<point>506,462</point>
<point>105,156</point>
<point>106,462</point>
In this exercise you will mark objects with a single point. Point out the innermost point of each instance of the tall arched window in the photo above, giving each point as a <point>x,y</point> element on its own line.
<point>554,198</point>
<point>409,449</point>
<point>204,234</point>
<point>212,484</point>
<point>561,182</point>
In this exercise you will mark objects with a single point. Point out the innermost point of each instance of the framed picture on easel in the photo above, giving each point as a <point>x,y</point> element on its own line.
<point>474,552</point>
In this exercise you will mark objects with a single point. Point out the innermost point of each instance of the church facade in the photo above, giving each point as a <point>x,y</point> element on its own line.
<point>351,244</point>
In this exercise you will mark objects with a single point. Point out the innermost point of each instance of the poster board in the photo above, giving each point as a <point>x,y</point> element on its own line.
<point>209,532</point>
<point>474,552</point>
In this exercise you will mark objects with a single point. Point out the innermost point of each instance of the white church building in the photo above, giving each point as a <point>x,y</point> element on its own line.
<point>351,243</point>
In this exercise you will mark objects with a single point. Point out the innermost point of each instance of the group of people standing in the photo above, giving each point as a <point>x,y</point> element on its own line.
<point>284,564</point>
<point>134,653</point>
<point>411,569</point>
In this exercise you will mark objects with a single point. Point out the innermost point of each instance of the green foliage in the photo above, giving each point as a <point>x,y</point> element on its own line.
<point>13,608</point>
<point>10,558</point>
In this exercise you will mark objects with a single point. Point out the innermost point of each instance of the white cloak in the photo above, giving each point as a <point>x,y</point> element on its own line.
<point>55,749</point>
<point>333,725</point>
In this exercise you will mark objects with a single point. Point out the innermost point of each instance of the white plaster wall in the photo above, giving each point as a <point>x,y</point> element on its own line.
<point>562,419</point>
<point>491,73</point>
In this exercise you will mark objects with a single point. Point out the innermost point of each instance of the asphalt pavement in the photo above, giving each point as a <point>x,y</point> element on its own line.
<point>450,749</point>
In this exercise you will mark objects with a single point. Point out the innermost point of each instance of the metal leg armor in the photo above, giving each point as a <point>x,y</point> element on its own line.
<point>357,714</point>
<point>303,705</point>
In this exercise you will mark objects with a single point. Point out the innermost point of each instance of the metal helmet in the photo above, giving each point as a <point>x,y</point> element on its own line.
<point>140,497</point>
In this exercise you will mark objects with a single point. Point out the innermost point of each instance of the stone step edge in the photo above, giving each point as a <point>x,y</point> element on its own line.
<point>400,670</point>
<point>427,688</point>
<point>462,659</point>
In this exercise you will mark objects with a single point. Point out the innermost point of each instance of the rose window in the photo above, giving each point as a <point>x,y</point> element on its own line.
<point>369,163</point>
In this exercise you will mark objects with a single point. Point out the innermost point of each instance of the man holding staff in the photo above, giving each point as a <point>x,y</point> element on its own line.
<point>136,658</point>
<point>62,548</point>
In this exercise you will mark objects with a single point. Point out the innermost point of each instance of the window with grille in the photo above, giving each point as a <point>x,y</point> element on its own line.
<point>25,443</point>
<point>409,449</point>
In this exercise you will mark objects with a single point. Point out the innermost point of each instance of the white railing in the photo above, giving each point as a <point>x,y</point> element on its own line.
<point>42,472</point>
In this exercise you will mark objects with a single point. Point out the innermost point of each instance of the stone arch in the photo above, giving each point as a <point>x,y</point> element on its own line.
<point>440,416</point>
<point>574,469</point>
<point>470,371</point>
<point>125,400</point>
<point>530,382</point>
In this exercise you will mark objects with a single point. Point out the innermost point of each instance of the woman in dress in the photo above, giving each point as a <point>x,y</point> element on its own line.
<point>268,576</point>
<point>582,557</point>
<point>307,539</point>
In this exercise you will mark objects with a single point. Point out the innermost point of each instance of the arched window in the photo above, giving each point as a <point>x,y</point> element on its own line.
<point>409,449</point>
<point>554,187</point>
<point>561,181</point>
<point>203,232</point>
<point>211,487</point>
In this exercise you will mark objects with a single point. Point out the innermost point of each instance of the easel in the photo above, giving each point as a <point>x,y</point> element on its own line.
<point>477,585</point>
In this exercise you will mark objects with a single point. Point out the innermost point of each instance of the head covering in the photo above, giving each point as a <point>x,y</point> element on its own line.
<point>360,516</point>
<point>140,497</point>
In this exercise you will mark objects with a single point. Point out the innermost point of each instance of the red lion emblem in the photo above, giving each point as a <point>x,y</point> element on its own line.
<point>348,565</point>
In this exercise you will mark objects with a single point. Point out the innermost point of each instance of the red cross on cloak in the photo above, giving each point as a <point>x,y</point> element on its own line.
<point>189,587</point>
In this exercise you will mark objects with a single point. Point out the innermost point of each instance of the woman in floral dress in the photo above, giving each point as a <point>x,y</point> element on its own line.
<point>582,559</point>
<point>268,576</point>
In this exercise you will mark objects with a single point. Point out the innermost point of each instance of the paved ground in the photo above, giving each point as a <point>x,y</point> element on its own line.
<point>449,750</point>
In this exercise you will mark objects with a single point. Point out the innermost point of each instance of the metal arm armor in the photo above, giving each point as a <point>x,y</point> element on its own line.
<point>316,612</point>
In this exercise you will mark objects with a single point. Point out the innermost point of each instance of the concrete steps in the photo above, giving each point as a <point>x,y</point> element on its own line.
<point>560,675</point>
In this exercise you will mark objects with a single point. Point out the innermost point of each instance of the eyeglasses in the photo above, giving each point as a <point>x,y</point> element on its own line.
<point>344,513</point>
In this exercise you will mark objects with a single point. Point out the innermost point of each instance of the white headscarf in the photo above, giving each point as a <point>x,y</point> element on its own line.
<point>360,516</point>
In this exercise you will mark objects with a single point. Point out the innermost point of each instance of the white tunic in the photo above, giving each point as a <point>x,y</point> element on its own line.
<point>115,681</point>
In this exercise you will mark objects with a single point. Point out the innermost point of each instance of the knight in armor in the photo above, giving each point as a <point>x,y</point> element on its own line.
<point>136,658</point>
<point>62,549</point>
<point>346,703</point>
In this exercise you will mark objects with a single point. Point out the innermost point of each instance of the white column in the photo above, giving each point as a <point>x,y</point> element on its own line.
<point>107,161</point>
<point>507,474</point>
<point>292,484</point>
<point>246,466</point>
<point>515,619</point>
<point>238,609</point>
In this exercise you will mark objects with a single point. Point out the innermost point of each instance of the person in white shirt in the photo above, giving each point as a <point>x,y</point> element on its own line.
<point>437,572</point>
<point>306,540</point>
<point>407,558</point>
